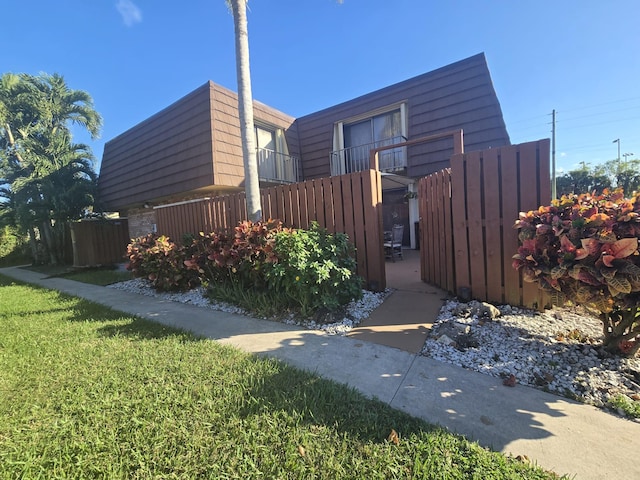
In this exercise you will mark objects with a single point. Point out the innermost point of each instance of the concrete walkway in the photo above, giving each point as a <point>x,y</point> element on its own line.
<point>405,318</point>
<point>556,433</point>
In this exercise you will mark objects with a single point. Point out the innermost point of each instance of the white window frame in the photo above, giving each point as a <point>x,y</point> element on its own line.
<point>338,128</point>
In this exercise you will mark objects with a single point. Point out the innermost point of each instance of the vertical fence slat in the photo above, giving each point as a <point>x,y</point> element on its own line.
<point>461,258</point>
<point>422,219</point>
<point>510,185</point>
<point>451,241</point>
<point>372,228</point>
<point>439,232</point>
<point>304,208</point>
<point>338,211</point>
<point>319,201</point>
<point>493,226</point>
<point>295,206</point>
<point>358,224</point>
<point>328,202</point>
<point>432,226</point>
<point>474,224</point>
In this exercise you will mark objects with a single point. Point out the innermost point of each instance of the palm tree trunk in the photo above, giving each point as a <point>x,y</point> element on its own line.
<point>49,242</point>
<point>33,243</point>
<point>245,108</point>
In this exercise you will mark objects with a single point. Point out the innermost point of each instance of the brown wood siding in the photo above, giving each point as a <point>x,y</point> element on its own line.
<point>349,204</point>
<point>166,154</point>
<point>192,144</point>
<point>228,164</point>
<point>467,214</point>
<point>460,95</point>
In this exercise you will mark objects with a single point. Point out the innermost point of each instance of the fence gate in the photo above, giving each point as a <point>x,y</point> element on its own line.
<point>467,214</point>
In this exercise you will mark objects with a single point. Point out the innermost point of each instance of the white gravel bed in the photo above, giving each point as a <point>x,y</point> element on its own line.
<point>556,351</point>
<point>354,312</point>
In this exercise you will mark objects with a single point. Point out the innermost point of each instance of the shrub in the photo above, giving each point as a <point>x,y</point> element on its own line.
<point>584,248</point>
<point>14,249</point>
<point>162,262</point>
<point>262,267</point>
<point>314,270</point>
<point>220,257</point>
<point>269,269</point>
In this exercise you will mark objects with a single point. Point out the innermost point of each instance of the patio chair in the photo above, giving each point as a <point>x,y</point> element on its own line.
<point>393,247</point>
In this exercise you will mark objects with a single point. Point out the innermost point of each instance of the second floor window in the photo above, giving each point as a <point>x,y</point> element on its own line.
<point>354,139</point>
<point>265,139</point>
<point>373,130</point>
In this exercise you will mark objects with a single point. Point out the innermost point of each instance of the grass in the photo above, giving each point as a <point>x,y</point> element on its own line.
<point>88,392</point>
<point>96,276</point>
<point>622,403</point>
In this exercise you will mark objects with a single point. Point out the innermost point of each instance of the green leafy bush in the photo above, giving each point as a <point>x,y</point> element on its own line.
<point>262,266</point>
<point>315,269</point>
<point>14,249</point>
<point>162,262</point>
<point>584,248</point>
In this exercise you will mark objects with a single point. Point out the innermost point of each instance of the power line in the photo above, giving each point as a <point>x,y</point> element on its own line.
<point>586,107</point>
<point>602,123</point>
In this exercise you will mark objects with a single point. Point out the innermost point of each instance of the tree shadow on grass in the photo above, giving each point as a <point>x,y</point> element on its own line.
<point>318,401</point>
<point>141,329</point>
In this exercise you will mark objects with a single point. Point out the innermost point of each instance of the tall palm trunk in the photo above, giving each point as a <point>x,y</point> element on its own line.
<point>49,239</point>
<point>245,107</point>
<point>33,242</point>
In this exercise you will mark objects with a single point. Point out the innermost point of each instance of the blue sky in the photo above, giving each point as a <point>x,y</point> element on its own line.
<point>135,57</point>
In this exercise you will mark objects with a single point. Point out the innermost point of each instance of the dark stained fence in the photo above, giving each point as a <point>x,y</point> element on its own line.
<point>436,230</point>
<point>467,216</point>
<point>350,204</point>
<point>99,242</point>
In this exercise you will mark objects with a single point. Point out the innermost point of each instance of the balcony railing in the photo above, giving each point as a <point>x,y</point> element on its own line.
<point>356,159</point>
<point>276,167</point>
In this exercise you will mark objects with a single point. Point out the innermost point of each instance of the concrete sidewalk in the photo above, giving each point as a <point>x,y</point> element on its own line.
<point>556,433</point>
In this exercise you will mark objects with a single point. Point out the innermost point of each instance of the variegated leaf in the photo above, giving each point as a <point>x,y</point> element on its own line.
<point>608,273</point>
<point>583,294</point>
<point>557,298</point>
<point>629,268</point>
<point>624,247</point>
<point>558,271</point>
<point>621,284</point>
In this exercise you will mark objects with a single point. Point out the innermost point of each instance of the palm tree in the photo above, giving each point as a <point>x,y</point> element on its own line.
<point>245,109</point>
<point>47,179</point>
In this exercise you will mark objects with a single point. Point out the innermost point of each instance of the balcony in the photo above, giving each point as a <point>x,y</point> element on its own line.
<point>356,159</point>
<point>276,167</point>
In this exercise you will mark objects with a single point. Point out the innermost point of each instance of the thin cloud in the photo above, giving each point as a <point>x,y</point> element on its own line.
<point>130,12</point>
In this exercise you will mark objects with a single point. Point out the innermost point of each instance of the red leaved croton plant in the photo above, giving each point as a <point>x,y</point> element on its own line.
<point>584,248</point>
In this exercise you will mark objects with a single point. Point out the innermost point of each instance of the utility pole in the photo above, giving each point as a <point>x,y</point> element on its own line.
<point>553,155</point>
<point>617,140</point>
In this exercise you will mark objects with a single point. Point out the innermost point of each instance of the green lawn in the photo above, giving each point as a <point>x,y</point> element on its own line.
<point>87,392</point>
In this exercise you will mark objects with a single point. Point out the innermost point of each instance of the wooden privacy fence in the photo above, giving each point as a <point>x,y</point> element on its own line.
<point>99,242</point>
<point>350,204</point>
<point>467,214</point>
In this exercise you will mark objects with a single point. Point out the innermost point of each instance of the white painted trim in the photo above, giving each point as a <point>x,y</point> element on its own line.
<point>181,203</point>
<point>377,111</point>
<point>414,214</point>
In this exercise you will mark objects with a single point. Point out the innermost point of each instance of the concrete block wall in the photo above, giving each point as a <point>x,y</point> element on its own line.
<point>141,222</point>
